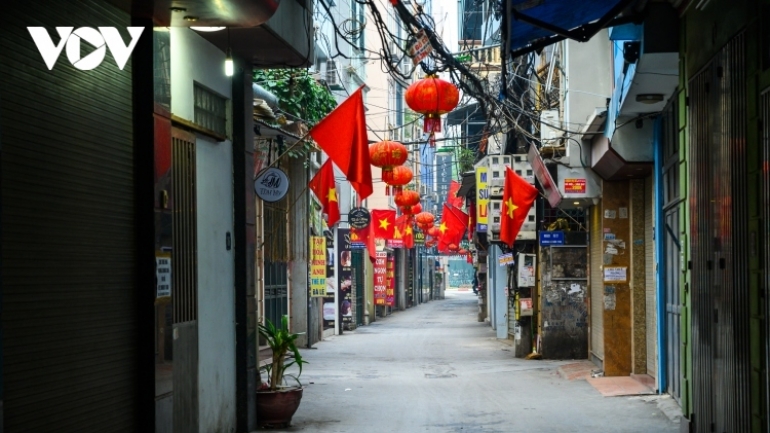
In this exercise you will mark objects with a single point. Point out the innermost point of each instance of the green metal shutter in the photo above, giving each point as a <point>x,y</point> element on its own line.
<point>68,248</point>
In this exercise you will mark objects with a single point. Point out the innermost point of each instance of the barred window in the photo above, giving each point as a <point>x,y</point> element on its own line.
<point>210,110</point>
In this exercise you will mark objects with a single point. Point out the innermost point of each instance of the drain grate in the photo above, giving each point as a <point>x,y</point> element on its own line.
<point>439,376</point>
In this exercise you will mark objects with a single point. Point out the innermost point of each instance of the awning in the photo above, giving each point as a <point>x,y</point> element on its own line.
<point>535,24</point>
<point>468,184</point>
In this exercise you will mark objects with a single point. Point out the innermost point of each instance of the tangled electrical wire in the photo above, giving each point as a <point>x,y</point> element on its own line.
<point>510,103</point>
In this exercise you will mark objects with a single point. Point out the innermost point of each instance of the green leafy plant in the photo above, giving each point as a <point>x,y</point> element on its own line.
<point>299,94</point>
<point>466,158</point>
<point>281,342</point>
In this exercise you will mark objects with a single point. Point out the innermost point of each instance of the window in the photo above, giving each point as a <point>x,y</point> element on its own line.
<point>211,110</point>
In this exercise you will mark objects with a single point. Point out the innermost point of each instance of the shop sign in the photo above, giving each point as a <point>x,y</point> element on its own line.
<point>395,243</point>
<point>482,200</point>
<point>271,185</point>
<point>421,48</point>
<point>575,186</point>
<point>359,218</point>
<point>163,274</point>
<point>505,260</point>
<point>551,238</point>
<point>419,238</point>
<point>380,278</point>
<point>390,292</point>
<point>318,266</point>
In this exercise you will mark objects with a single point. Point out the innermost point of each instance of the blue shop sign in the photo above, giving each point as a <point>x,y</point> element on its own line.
<point>551,238</point>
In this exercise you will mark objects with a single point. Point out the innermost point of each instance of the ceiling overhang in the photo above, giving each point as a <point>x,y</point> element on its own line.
<point>266,33</point>
<point>610,165</point>
<point>535,24</point>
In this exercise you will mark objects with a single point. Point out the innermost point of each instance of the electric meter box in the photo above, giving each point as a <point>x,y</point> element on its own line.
<point>526,270</point>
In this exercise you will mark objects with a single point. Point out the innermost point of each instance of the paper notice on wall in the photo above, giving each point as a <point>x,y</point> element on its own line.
<point>611,250</point>
<point>623,212</point>
<point>610,214</point>
<point>616,274</point>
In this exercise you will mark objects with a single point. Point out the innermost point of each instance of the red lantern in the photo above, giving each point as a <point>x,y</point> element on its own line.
<point>407,198</point>
<point>387,154</point>
<point>462,251</point>
<point>453,247</point>
<point>433,231</point>
<point>432,97</point>
<point>425,219</point>
<point>397,177</point>
<point>411,210</point>
<point>430,243</point>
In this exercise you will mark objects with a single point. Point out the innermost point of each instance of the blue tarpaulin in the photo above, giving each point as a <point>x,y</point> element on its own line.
<point>535,23</point>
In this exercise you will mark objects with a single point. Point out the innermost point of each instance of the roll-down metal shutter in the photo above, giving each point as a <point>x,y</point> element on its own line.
<point>68,254</point>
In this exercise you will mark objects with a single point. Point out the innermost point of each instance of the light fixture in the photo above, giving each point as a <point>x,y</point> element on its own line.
<point>649,98</point>
<point>229,57</point>
<point>576,203</point>
<point>207,29</point>
<point>190,18</point>
<point>229,63</point>
<point>177,9</point>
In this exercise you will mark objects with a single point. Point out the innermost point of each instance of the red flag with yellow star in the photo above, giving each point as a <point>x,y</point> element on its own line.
<point>518,197</point>
<point>325,189</point>
<point>452,228</point>
<point>383,223</point>
<point>404,227</point>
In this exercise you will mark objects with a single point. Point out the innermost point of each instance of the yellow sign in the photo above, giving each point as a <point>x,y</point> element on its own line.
<point>482,199</point>
<point>317,266</point>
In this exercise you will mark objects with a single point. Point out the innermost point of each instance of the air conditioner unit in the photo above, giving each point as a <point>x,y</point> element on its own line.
<point>423,190</point>
<point>493,237</point>
<point>496,191</point>
<point>549,122</point>
<point>332,75</point>
<point>495,178</point>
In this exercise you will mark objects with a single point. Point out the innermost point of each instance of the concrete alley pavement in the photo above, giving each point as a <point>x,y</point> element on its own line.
<point>434,368</point>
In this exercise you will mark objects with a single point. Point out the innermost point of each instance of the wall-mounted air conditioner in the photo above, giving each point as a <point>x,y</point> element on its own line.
<point>549,124</point>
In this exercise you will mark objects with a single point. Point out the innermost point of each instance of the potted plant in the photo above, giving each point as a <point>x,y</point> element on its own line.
<point>277,399</point>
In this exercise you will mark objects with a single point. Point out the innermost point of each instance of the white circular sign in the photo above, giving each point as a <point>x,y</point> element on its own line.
<point>271,185</point>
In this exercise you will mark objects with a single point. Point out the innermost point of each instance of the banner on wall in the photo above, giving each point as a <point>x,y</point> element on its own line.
<point>482,200</point>
<point>390,292</point>
<point>317,266</point>
<point>380,278</point>
<point>329,309</point>
<point>345,281</point>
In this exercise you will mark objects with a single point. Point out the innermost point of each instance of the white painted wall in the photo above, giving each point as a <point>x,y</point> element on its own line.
<point>195,60</point>
<point>216,297</point>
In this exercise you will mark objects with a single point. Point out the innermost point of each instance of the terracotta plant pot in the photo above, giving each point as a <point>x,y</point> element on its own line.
<point>275,408</point>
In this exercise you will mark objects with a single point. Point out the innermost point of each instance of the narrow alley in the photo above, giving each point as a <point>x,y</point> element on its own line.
<point>435,368</point>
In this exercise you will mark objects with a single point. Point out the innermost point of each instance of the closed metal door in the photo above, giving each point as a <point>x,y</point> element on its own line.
<point>673,328</point>
<point>275,247</point>
<point>671,262</point>
<point>276,291</point>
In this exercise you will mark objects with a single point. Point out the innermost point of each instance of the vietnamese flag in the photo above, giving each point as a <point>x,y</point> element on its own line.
<point>382,226</point>
<point>452,228</point>
<point>325,189</point>
<point>384,223</point>
<point>342,135</point>
<point>404,226</point>
<point>518,197</point>
<point>452,197</point>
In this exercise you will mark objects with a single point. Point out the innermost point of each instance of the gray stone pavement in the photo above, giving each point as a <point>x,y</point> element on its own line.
<point>434,368</point>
